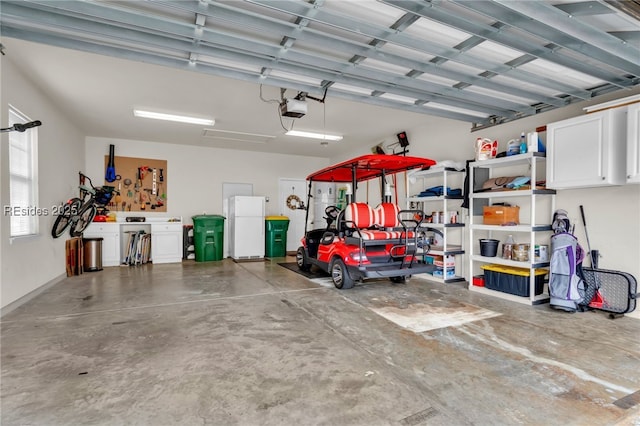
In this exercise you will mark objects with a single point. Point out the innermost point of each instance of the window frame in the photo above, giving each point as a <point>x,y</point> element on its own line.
<point>20,214</point>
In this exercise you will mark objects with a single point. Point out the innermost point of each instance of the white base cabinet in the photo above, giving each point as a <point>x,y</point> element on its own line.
<point>166,240</point>
<point>110,234</point>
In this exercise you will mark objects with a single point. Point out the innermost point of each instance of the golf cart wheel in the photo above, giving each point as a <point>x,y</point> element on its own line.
<point>398,280</point>
<point>301,260</point>
<point>339,275</point>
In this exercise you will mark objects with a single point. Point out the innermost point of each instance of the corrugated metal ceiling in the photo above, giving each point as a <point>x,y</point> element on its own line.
<point>484,62</point>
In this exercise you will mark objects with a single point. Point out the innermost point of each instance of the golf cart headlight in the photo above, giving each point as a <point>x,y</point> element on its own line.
<point>358,257</point>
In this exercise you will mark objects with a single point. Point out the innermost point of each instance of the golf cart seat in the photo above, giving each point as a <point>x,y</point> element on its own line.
<point>389,217</point>
<point>381,223</point>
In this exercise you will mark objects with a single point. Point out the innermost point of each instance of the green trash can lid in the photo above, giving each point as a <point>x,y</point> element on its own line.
<point>276,218</point>
<point>208,216</point>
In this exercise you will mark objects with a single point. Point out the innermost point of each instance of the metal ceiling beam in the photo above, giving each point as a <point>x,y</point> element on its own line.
<point>357,76</point>
<point>438,13</point>
<point>628,36</point>
<point>339,44</point>
<point>348,69</point>
<point>374,52</point>
<point>404,40</point>
<point>257,78</point>
<point>558,27</point>
<point>585,8</point>
<point>289,39</point>
<point>202,50</point>
<point>400,25</point>
<point>152,33</point>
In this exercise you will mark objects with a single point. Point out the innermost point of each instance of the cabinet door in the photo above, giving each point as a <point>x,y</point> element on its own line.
<point>633,143</point>
<point>166,243</point>
<point>111,249</point>
<point>587,151</point>
<point>110,234</point>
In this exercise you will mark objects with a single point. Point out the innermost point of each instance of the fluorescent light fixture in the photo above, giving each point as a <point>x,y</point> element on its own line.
<point>313,135</point>
<point>173,117</point>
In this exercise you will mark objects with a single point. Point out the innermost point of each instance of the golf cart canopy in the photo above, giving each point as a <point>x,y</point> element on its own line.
<point>367,167</point>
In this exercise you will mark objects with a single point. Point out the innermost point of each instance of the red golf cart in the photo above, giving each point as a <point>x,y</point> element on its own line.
<point>361,242</point>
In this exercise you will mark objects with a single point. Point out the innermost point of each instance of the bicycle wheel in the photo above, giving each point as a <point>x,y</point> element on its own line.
<point>85,217</point>
<point>63,220</point>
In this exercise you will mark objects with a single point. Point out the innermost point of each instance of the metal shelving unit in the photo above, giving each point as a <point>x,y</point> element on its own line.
<point>452,233</point>
<point>534,229</point>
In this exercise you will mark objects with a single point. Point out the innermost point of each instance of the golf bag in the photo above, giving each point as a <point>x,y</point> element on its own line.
<point>568,289</point>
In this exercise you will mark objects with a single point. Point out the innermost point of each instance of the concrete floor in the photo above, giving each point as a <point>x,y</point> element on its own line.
<point>224,343</point>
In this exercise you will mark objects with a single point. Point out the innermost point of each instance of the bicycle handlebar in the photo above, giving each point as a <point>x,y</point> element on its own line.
<point>83,177</point>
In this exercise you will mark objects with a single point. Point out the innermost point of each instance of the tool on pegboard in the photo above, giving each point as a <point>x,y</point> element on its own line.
<point>154,188</point>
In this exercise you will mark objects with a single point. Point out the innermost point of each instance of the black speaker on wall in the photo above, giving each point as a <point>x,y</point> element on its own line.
<point>403,140</point>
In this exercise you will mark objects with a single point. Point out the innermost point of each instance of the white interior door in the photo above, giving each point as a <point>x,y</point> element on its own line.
<point>230,190</point>
<point>297,187</point>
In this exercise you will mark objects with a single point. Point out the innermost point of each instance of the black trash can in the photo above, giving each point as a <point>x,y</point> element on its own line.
<point>92,254</point>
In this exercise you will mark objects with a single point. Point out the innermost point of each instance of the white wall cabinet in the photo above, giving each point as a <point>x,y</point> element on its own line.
<point>633,143</point>
<point>110,234</point>
<point>166,242</point>
<point>536,213</point>
<point>452,230</point>
<point>587,151</point>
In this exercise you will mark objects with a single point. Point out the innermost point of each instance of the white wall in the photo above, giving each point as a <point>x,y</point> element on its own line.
<point>29,263</point>
<point>195,174</point>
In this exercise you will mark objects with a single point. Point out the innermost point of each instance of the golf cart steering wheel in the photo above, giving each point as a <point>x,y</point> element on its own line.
<point>332,212</point>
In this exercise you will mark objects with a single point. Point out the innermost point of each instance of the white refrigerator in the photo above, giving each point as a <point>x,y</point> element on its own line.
<point>246,225</point>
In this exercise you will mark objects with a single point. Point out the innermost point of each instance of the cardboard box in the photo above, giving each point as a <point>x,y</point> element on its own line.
<point>440,261</point>
<point>446,261</point>
<point>440,272</point>
<point>499,215</point>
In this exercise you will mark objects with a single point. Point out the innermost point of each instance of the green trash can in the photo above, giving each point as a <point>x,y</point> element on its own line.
<point>208,237</point>
<point>276,236</point>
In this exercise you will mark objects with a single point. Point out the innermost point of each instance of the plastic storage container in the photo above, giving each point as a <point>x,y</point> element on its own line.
<point>478,280</point>
<point>276,236</point>
<point>208,237</point>
<point>512,280</point>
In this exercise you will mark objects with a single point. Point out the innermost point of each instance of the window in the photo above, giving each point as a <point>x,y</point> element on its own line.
<point>23,177</point>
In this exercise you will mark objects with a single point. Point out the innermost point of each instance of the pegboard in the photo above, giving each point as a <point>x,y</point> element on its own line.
<point>141,195</point>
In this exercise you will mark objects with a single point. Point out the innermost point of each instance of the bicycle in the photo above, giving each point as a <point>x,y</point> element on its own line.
<point>78,212</point>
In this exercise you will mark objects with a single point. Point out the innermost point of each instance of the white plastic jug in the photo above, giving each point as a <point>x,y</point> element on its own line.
<point>486,149</point>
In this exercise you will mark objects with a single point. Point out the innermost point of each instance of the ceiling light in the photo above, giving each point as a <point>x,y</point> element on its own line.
<point>173,117</point>
<point>313,135</point>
